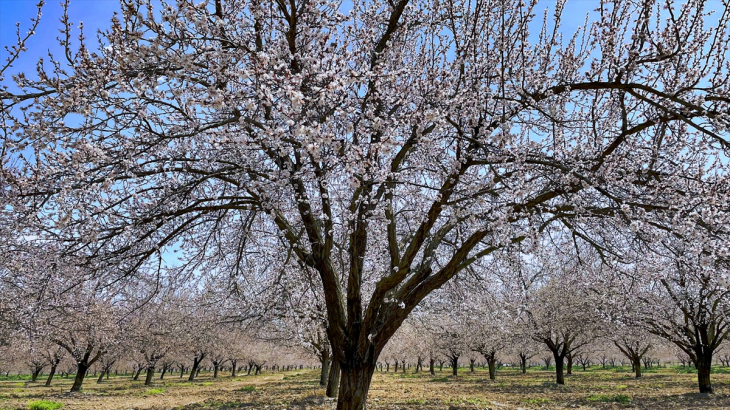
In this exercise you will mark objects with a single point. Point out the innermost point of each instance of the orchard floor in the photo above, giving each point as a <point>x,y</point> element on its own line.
<point>664,388</point>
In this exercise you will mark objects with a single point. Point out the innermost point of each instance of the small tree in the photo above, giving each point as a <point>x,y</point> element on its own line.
<point>583,359</point>
<point>634,348</point>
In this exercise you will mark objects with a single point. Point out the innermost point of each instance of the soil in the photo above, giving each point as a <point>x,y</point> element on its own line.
<point>596,388</point>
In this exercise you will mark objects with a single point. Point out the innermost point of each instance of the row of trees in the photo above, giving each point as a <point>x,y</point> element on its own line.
<point>573,308</point>
<point>102,332</point>
<point>41,358</point>
<point>331,168</point>
<point>540,307</point>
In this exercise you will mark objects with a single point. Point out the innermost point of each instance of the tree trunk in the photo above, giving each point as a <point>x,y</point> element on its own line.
<point>559,376</point>
<point>333,381</point>
<point>150,373</point>
<point>454,365</point>
<point>50,375</point>
<point>637,367</point>
<point>101,377</point>
<point>136,375</point>
<point>194,370</point>
<point>164,370</point>
<point>80,374</point>
<point>34,376</point>
<point>704,366</point>
<point>492,362</point>
<point>523,363</point>
<point>431,367</point>
<point>233,368</point>
<point>570,363</point>
<point>325,359</point>
<point>215,371</point>
<point>354,386</point>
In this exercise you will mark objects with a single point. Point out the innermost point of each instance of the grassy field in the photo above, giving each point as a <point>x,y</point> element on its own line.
<point>664,388</point>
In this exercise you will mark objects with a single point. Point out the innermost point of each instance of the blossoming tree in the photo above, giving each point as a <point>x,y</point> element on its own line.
<point>386,146</point>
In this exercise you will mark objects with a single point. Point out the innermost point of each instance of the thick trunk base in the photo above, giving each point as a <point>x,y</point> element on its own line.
<point>703,376</point>
<point>79,379</point>
<point>354,386</point>
<point>637,369</point>
<point>150,374</point>
<point>559,376</point>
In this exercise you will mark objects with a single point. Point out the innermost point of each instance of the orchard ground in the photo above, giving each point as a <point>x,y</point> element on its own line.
<point>596,388</point>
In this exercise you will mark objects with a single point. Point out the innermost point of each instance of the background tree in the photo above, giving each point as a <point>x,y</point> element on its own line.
<point>53,356</point>
<point>562,324</point>
<point>689,307</point>
<point>634,346</point>
<point>490,330</point>
<point>86,330</point>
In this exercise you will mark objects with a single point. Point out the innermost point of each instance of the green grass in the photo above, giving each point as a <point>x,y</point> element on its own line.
<point>15,377</point>
<point>607,398</point>
<point>207,384</point>
<point>686,370</point>
<point>415,401</point>
<point>477,401</point>
<point>247,388</point>
<point>44,405</point>
<point>152,392</point>
<point>292,376</point>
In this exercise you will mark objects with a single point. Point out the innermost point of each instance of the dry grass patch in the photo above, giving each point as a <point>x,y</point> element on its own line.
<point>665,388</point>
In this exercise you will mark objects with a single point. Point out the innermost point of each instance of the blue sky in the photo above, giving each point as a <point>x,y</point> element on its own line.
<point>96,14</point>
